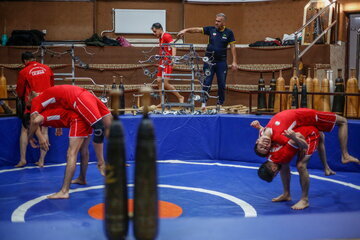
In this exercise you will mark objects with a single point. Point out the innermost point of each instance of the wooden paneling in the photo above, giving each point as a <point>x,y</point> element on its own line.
<point>79,20</point>
<point>250,22</point>
<point>62,20</point>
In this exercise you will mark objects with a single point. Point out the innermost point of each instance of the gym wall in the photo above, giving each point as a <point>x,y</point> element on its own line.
<point>249,21</point>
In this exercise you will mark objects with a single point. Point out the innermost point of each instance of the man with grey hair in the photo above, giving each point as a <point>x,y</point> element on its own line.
<point>219,38</point>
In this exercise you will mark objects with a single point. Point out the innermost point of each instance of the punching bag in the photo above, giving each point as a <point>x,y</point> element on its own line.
<point>271,100</point>
<point>261,106</point>
<point>116,200</point>
<point>295,97</point>
<point>122,96</point>
<point>309,88</point>
<point>3,87</point>
<point>303,103</point>
<point>145,191</point>
<point>331,86</point>
<point>352,102</point>
<point>294,80</point>
<point>113,87</point>
<point>339,100</point>
<point>280,99</point>
<point>325,99</point>
<point>316,88</point>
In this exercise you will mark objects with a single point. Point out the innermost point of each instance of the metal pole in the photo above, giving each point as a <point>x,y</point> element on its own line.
<point>73,64</point>
<point>336,13</point>
<point>297,50</point>
<point>42,54</point>
<point>192,86</point>
<point>358,54</point>
<point>163,91</point>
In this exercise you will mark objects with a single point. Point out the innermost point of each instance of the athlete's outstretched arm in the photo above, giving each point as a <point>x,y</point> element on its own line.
<point>256,124</point>
<point>189,30</point>
<point>297,138</point>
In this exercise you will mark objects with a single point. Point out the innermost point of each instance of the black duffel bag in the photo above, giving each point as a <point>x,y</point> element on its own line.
<point>26,38</point>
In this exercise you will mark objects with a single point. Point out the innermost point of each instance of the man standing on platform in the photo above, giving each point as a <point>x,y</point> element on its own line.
<point>219,38</point>
<point>81,101</point>
<point>165,64</point>
<point>34,77</point>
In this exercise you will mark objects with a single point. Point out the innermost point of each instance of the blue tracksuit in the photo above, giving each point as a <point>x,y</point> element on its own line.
<point>217,47</point>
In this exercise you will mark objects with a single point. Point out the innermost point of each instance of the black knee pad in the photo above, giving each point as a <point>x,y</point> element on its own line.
<point>99,132</point>
<point>26,120</point>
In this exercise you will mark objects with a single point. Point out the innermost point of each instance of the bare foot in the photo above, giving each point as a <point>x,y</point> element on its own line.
<point>40,164</point>
<point>348,159</point>
<point>329,172</point>
<point>20,164</point>
<point>78,181</point>
<point>101,168</point>
<point>181,99</point>
<point>59,195</point>
<point>302,204</point>
<point>282,198</point>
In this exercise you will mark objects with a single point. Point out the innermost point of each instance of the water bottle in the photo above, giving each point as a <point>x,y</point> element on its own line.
<point>4,40</point>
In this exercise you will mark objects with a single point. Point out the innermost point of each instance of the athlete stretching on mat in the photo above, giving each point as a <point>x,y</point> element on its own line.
<point>278,148</point>
<point>79,139</point>
<point>290,119</point>
<point>33,77</point>
<point>88,106</point>
<point>303,141</point>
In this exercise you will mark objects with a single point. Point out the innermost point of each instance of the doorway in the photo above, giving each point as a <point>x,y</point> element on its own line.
<point>354,48</point>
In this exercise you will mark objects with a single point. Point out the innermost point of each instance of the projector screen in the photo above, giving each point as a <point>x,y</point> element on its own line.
<point>138,20</point>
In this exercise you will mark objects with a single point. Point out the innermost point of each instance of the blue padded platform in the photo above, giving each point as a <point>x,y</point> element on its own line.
<point>225,137</point>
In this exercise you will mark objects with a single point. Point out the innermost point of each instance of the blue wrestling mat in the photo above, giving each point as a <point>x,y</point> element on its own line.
<point>208,187</point>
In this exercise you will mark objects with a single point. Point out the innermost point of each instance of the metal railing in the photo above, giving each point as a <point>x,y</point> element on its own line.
<point>285,94</point>
<point>358,53</point>
<point>8,106</point>
<point>299,54</point>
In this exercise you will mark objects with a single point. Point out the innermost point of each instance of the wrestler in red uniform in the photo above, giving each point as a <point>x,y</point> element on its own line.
<point>283,154</point>
<point>63,118</point>
<point>33,77</point>
<point>85,104</point>
<point>165,64</point>
<point>280,157</point>
<point>293,118</point>
<point>71,97</point>
<point>290,119</point>
<point>78,141</point>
